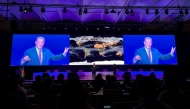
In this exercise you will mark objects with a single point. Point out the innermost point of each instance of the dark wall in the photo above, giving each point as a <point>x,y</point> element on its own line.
<point>6,40</point>
<point>183,52</point>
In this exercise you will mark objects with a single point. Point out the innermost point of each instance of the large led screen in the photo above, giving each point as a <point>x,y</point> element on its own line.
<point>63,49</point>
<point>149,50</point>
<point>40,49</point>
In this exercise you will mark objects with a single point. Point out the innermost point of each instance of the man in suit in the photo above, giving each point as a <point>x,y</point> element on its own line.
<point>150,55</point>
<point>39,55</point>
<point>94,67</point>
<point>114,71</point>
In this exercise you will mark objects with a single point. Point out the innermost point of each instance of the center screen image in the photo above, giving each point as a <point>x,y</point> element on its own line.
<point>101,50</point>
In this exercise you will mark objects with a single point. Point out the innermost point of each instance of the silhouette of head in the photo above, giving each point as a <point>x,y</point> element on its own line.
<point>172,82</point>
<point>48,82</point>
<point>73,95</point>
<point>99,76</point>
<point>108,78</point>
<point>145,86</point>
<point>60,77</point>
<point>38,78</point>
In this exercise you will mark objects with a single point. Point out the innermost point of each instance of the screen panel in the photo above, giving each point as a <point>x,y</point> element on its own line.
<point>98,49</point>
<point>52,49</point>
<point>101,50</point>
<point>149,50</point>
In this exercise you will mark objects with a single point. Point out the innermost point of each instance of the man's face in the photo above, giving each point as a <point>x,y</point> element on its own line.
<point>148,43</point>
<point>39,43</point>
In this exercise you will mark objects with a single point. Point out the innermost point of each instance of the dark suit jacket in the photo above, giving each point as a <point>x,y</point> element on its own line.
<point>114,69</point>
<point>156,56</point>
<point>47,56</point>
<point>93,69</point>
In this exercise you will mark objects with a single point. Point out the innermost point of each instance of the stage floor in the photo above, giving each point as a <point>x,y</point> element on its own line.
<point>88,75</point>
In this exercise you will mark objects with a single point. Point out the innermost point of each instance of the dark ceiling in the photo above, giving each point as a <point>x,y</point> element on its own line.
<point>55,14</point>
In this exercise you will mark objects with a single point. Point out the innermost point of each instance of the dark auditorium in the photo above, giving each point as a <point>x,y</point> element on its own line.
<point>95,54</point>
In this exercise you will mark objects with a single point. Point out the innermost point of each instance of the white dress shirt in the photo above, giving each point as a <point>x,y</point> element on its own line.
<point>147,53</point>
<point>38,50</point>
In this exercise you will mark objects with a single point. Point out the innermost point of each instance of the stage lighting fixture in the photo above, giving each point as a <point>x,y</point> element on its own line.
<point>181,13</point>
<point>166,11</point>
<point>126,11</point>
<point>30,9</point>
<point>80,11</point>
<point>64,10</point>
<point>43,10</point>
<point>147,12</point>
<point>113,11</point>
<point>156,11</point>
<point>186,11</point>
<point>106,11</point>
<point>25,10</point>
<point>21,9</point>
<point>132,13</point>
<point>85,11</point>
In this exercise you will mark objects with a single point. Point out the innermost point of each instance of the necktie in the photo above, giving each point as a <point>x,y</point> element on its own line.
<point>149,56</point>
<point>40,57</point>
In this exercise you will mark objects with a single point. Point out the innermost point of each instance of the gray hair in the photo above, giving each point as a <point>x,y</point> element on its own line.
<point>149,38</point>
<point>40,37</point>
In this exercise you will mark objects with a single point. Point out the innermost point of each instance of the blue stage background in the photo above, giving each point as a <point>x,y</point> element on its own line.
<point>54,42</point>
<point>163,43</point>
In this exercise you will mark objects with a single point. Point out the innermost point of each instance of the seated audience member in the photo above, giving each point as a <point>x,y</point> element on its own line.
<point>19,79</point>
<point>53,78</point>
<point>11,96</point>
<point>60,79</point>
<point>184,83</point>
<point>73,95</point>
<point>113,78</point>
<point>37,84</point>
<point>73,75</point>
<point>44,76</point>
<point>153,76</point>
<point>110,84</point>
<point>133,92</point>
<point>21,90</point>
<point>126,76</point>
<point>146,88</point>
<point>173,92</point>
<point>59,83</point>
<point>48,88</point>
<point>166,73</point>
<point>99,81</point>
